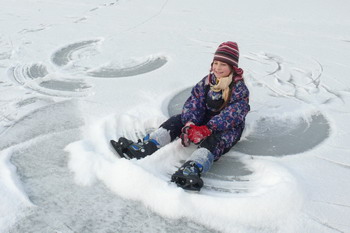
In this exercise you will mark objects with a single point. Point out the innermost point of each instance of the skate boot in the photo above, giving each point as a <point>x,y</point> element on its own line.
<point>130,150</point>
<point>188,177</point>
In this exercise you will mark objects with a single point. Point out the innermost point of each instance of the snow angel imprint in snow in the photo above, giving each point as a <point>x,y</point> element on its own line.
<point>37,78</point>
<point>72,53</point>
<point>271,136</point>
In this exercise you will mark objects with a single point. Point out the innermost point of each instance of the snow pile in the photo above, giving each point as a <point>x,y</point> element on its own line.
<point>273,200</point>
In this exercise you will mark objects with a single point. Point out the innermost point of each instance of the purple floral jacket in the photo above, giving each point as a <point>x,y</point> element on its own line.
<point>231,116</point>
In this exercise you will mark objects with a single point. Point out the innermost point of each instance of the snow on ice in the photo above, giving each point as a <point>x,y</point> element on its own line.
<point>76,74</point>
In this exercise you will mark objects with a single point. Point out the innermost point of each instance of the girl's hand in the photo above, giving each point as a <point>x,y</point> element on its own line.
<point>185,141</point>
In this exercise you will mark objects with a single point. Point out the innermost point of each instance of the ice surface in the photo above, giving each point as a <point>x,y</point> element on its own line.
<point>176,102</point>
<point>74,75</point>
<point>276,137</point>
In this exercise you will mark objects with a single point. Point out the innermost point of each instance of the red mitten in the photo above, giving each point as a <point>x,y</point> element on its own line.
<point>197,134</point>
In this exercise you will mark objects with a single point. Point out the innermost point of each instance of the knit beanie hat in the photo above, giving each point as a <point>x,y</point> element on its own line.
<point>228,52</point>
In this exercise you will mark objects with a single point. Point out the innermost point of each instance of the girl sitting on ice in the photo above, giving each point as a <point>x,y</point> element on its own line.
<point>212,117</point>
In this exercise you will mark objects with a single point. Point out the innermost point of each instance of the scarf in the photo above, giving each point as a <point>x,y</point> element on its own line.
<point>222,84</point>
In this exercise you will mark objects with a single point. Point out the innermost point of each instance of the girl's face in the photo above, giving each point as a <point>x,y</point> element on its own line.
<point>221,69</point>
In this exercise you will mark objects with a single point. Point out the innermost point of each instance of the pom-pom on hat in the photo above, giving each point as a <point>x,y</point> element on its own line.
<point>227,52</point>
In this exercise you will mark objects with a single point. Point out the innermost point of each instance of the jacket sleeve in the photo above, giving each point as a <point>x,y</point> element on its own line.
<point>194,108</point>
<point>235,112</point>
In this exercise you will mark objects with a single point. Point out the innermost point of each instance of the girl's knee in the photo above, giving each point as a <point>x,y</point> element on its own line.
<point>174,126</point>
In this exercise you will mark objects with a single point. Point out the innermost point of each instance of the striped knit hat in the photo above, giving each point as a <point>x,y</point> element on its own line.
<point>227,52</point>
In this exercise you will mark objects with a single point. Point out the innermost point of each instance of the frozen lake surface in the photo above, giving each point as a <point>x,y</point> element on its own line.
<point>74,75</point>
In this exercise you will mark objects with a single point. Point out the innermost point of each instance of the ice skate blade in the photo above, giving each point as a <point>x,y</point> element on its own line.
<point>190,183</point>
<point>117,148</point>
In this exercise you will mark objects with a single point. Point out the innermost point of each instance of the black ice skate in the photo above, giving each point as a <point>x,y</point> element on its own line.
<point>130,150</point>
<point>188,177</point>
